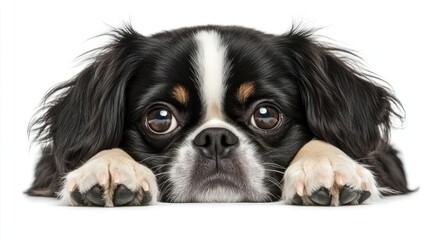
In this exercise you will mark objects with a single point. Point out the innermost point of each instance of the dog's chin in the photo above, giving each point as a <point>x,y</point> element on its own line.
<point>221,180</point>
<point>221,187</point>
<point>218,191</point>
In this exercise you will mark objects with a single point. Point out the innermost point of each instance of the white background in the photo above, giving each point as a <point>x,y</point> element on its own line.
<point>40,41</point>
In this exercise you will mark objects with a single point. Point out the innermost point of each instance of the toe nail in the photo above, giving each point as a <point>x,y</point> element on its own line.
<point>145,186</point>
<point>122,195</point>
<point>364,196</point>
<point>347,195</point>
<point>95,195</point>
<point>300,187</point>
<point>321,197</point>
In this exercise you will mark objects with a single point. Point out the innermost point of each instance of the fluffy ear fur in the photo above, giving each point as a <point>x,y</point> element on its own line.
<point>343,103</point>
<point>86,114</point>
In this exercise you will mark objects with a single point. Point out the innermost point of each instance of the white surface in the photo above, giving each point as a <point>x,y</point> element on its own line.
<point>40,40</point>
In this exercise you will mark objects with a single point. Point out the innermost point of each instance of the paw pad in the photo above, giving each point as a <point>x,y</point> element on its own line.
<point>323,175</point>
<point>322,197</point>
<point>110,178</point>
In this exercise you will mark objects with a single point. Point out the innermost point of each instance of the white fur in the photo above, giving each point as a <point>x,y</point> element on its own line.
<point>109,168</point>
<point>319,164</point>
<point>212,70</point>
<point>184,163</point>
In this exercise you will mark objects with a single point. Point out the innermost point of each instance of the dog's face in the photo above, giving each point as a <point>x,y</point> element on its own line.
<point>216,112</point>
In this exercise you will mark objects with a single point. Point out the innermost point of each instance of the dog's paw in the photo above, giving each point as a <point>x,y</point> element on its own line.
<point>110,178</point>
<point>322,174</point>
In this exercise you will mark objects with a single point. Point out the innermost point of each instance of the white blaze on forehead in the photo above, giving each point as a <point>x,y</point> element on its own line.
<point>212,69</point>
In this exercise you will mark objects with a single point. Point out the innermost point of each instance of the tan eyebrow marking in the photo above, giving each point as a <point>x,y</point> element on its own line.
<point>180,94</point>
<point>245,90</point>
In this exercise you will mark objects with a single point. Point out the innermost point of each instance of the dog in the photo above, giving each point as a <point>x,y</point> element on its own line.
<point>218,114</point>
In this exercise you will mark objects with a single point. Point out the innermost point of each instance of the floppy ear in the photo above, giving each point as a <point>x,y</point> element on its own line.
<point>344,105</point>
<point>86,114</point>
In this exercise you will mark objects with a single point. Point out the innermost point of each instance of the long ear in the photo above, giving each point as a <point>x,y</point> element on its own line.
<point>344,104</point>
<point>86,114</point>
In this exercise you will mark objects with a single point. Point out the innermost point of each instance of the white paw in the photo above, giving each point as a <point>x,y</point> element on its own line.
<point>322,174</point>
<point>110,178</point>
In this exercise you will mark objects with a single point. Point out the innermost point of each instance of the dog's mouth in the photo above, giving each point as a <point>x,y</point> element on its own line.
<point>220,180</point>
<point>226,176</point>
<point>218,187</point>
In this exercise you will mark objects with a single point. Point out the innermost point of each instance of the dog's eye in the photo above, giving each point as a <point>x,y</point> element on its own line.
<point>161,121</point>
<point>265,117</point>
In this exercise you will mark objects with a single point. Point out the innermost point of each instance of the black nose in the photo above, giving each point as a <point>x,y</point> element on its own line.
<point>216,143</point>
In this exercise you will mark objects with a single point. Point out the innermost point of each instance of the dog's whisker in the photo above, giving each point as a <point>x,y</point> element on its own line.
<point>274,181</point>
<point>275,165</point>
<point>161,174</point>
<point>274,171</point>
<point>154,158</point>
<point>161,166</point>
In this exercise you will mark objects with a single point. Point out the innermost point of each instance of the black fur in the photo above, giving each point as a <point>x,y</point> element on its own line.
<point>325,95</point>
<point>89,109</point>
<point>344,105</point>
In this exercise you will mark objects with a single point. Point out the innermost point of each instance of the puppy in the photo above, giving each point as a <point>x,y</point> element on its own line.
<point>218,114</point>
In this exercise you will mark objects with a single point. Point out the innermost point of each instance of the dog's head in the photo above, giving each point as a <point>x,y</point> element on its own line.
<point>216,112</point>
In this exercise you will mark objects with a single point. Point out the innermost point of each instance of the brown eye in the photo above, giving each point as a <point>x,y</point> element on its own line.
<point>265,117</point>
<point>161,121</point>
